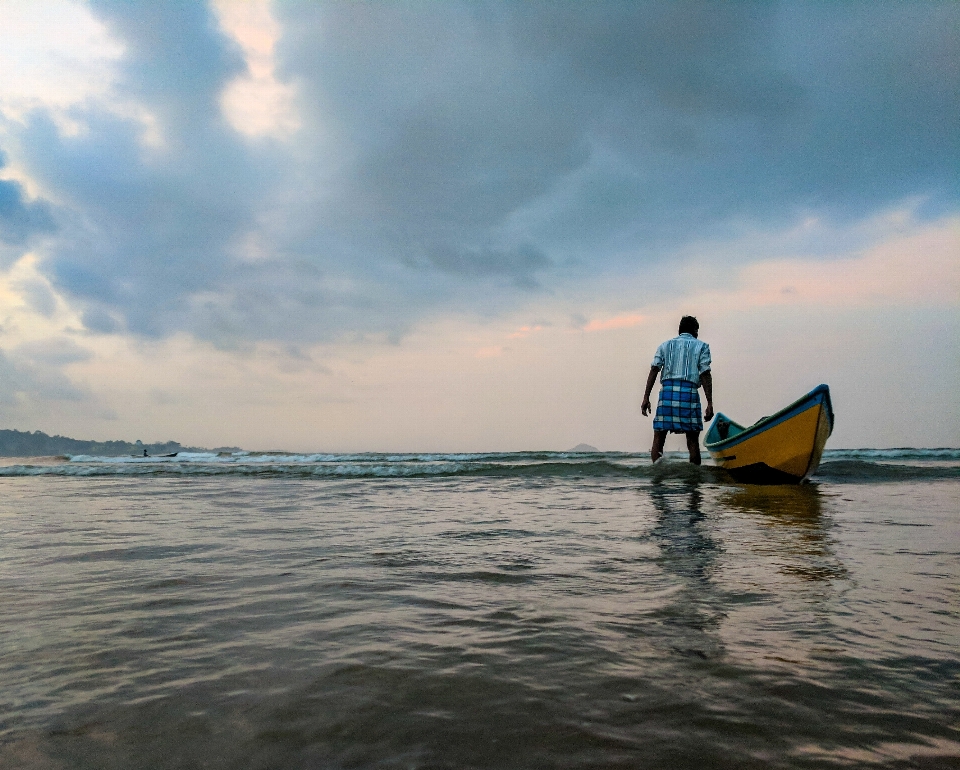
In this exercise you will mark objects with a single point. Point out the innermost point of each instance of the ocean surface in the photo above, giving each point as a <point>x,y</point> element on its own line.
<point>516,610</point>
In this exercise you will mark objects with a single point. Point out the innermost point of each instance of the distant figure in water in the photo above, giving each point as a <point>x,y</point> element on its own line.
<point>144,452</point>
<point>684,366</point>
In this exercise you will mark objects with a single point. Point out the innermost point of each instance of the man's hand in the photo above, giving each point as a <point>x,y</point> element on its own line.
<point>706,382</point>
<point>651,378</point>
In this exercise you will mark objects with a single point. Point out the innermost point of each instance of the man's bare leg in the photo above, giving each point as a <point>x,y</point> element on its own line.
<point>656,451</point>
<point>693,446</point>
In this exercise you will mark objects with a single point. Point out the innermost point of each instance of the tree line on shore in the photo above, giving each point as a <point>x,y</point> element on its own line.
<point>15,443</point>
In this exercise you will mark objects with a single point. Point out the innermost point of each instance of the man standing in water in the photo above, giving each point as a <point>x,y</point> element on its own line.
<point>684,366</point>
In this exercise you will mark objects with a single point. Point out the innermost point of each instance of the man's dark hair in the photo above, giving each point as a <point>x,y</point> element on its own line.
<point>689,325</point>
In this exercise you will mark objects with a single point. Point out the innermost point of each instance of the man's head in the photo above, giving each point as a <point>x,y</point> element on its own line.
<point>689,325</point>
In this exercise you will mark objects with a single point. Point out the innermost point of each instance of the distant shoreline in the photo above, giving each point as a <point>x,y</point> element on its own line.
<point>16,443</point>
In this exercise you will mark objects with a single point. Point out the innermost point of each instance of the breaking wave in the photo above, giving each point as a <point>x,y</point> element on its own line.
<point>838,465</point>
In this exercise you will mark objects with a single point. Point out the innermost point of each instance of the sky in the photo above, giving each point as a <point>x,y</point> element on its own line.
<point>466,226</point>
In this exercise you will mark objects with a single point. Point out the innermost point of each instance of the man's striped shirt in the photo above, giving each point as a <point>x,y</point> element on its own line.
<point>682,358</point>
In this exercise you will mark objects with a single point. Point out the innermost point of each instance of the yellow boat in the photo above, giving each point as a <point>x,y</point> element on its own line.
<point>784,448</point>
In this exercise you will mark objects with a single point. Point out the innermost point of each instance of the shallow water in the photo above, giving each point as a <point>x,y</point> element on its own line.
<point>516,618</point>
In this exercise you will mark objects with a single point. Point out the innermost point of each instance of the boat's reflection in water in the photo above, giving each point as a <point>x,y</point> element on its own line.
<point>796,523</point>
<point>779,538</point>
<point>794,504</point>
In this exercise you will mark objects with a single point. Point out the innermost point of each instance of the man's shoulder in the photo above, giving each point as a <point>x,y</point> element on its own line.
<point>683,340</point>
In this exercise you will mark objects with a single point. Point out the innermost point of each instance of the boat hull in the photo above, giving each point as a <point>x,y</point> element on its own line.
<point>784,448</point>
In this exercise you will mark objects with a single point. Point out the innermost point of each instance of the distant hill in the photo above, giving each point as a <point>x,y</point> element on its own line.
<point>15,443</point>
<point>583,448</point>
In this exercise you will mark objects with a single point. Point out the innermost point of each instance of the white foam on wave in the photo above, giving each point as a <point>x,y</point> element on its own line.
<point>899,453</point>
<point>401,465</point>
<point>286,458</point>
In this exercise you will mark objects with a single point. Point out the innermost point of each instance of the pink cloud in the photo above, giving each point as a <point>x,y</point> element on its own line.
<point>918,268</point>
<point>624,321</point>
<point>524,331</point>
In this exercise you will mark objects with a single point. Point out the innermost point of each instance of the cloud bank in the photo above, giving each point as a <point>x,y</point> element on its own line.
<point>460,155</point>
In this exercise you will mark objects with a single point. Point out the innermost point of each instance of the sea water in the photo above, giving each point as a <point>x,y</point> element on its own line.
<point>529,610</point>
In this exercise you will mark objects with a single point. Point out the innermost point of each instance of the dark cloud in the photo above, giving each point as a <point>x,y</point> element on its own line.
<point>99,321</point>
<point>470,153</point>
<point>38,296</point>
<point>145,230</point>
<point>520,264</point>
<point>20,219</point>
<point>680,114</point>
<point>177,61</point>
<point>138,240</point>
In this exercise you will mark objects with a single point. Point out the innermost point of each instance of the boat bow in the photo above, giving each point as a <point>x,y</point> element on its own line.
<point>782,448</point>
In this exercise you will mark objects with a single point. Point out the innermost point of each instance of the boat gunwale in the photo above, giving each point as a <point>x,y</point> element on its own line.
<point>820,394</point>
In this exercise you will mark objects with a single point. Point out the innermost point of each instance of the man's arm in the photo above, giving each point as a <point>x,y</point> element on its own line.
<point>706,381</point>
<point>651,379</point>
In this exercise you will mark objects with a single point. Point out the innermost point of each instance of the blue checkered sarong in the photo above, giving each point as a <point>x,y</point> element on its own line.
<point>678,410</point>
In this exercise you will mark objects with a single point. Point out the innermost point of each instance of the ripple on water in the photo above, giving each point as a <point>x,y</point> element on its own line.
<point>672,621</point>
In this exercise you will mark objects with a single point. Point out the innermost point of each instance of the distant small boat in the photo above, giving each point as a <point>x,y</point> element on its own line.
<point>784,448</point>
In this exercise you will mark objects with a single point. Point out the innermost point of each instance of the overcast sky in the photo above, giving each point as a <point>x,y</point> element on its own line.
<point>466,226</point>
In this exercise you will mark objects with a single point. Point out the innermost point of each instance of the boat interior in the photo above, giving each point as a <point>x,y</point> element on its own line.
<point>726,428</point>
